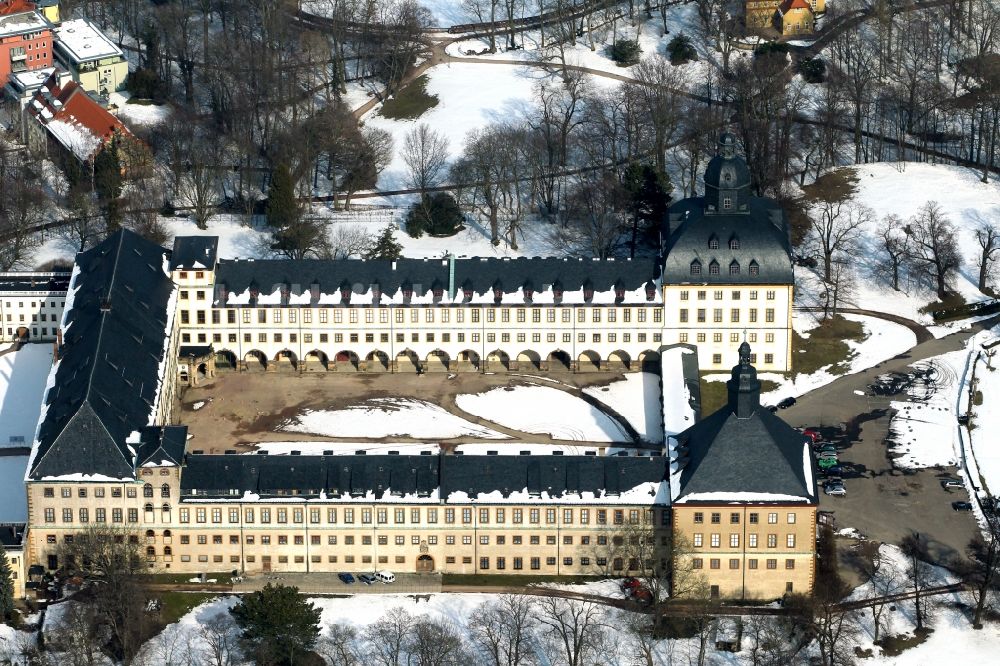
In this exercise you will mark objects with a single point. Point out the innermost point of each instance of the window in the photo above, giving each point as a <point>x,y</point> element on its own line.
<point>715,563</point>
<point>713,268</point>
<point>789,563</point>
<point>772,540</point>
<point>713,243</point>
<point>772,518</point>
<point>734,563</point>
<point>734,540</point>
<point>791,518</point>
<point>695,267</point>
<point>696,563</point>
<point>734,243</point>
<point>734,267</point>
<point>768,359</point>
<point>716,541</point>
<point>754,518</point>
<point>697,540</point>
<point>754,268</point>
<point>727,204</point>
<point>717,315</point>
<point>790,541</point>
<point>752,541</point>
<point>772,564</point>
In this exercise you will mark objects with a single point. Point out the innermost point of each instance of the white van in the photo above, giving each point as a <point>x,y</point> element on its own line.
<point>385,577</point>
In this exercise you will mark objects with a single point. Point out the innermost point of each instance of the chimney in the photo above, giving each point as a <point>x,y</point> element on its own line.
<point>744,388</point>
<point>451,277</point>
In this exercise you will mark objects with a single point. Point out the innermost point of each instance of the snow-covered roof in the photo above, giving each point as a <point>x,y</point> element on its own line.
<point>81,41</point>
<point>17,24</point>
<point>73,136</point>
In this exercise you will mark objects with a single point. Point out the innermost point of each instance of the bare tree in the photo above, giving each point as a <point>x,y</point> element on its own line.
<point>894,246</point>
<point>425,153</point>
<point>501,630</point>
<point>933,247</point>
<point>348,240</point>
<point>435,643</point>
<point>220,635</point>
<point>767,644</point>
<point>918,571</point>
<point>836,228</point>
<point>76,634</point>
<point>988,237</point>
<point>573,626</point>
<point>200,186</point>
<point>981,571</point>
<point>339,646</point>
<point>884,578</point>
<point>386,637</point>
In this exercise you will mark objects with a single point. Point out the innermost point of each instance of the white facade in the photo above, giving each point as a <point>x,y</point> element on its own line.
<point>28,300</point>
<point>715,318</point>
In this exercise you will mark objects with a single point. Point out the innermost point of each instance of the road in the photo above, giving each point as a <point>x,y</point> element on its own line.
<point>884,503</point>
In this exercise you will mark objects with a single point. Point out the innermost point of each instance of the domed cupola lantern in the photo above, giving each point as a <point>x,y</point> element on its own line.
<point>727,181</point>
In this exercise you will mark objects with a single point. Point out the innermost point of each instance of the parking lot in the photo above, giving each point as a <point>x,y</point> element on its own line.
<point>328,583</point>
<point>883,503</point>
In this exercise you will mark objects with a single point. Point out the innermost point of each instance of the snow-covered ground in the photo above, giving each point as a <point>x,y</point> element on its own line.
<point>389,417</point>
<point>13,498</point>
<point>22,386</point>
<point>986,418</point>
<point>925,431</point>
<point>544,410</point>
<point>463,105</point>
<point>902,189</point>
<point>637,398</point>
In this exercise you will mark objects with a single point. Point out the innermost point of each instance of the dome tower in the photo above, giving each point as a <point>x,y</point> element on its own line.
<point>727,180</point>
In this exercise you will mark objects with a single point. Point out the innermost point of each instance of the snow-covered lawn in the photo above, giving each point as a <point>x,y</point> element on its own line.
<point>902,189</point>
<point>986,420</point>
<point>143,114</point>
<point>925,431</point>
<point>22,387</point>
<point>388,417</point>
<point>544,410</point>
<point>469,96</point>
<point>637,398</point>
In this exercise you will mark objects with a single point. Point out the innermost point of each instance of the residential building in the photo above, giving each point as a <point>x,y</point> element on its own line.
<point>49,9</point>
<point>795,17</point>
<point>761,13</point>
<point>64,122</point>
<point>12,540</point>
<point>93,60</point>
<point>744,498</point>
<point>728,269</point>
<point>31,305</point>
<point>25,43</point>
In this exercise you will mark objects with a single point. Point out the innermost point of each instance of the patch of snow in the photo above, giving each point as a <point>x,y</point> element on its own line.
<point>344,448</point>
<point>637,398</point>
<point>543,410</point>
<point>23,376</point>
<point>198,405</point>
<point>740,497</point>
<point>388,417</point>
<point>144,114</point>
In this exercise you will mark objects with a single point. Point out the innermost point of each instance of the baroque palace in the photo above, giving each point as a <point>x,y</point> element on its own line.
<point>139,323</point>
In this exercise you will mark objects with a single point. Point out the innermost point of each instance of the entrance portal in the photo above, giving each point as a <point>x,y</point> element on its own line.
<point>425,564</point>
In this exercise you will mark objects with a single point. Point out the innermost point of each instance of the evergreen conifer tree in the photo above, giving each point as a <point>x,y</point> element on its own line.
<point>282,208</point>
<point>6,588</point>
<point>385,246</point>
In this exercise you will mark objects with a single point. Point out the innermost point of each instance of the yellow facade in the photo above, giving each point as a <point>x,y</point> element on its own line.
<point>51,13</point>
<point>760,13</point>
<point>748,551</point>
<point>796,21</point>
<point>288,534</point>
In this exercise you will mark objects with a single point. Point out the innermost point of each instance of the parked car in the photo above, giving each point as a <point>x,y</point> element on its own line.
<point>825,463</point>
<point>812,434</point>
<point>835,489</point>
<point>786,403</point>
<point>385,577</point>
<point>825,448</point>
<point>835,470</point>
<point>827,455</point>
<point>346,578</point>
<point>367,579</point>
<point>771,408</point>
<point>961,506</point>
<point>951,483</point>
<point>629,584</point>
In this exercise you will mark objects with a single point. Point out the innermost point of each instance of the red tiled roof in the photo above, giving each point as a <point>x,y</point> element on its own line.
<point>15,6</point>
<point>794,4</point>
<point>74,107</point>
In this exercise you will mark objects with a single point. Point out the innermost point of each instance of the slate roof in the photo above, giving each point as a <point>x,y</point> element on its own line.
<point>762,234</point>
<point>194,252</point>
<point>234,475</point>
<point>359,475</point>
<point>479,274</point>
<point>553,475</point>
<point>12,534</point>
<point>106,382</point>
<point>758,455</point>
<point>34,282</point>
<point>161,445</point>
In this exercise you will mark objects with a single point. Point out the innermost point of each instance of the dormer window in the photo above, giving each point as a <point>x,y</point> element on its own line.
<point>467,294</point>
<point>650,291</point>
<point>728,177</point>
<point>497,294</point>
<point>727,203</point>
<point>734,243</point>
<point>754,268</point>
<point>695,267</point>
<point>438,294</point>
<point>713,243</point>
<point>734,267</point>
<point>345,293</point>
<point>588,294</point>
<point>619,294</point>
<point>713,268</point>
<point>376,294</point>
<point>557,294</point>
<point>529,294</point>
